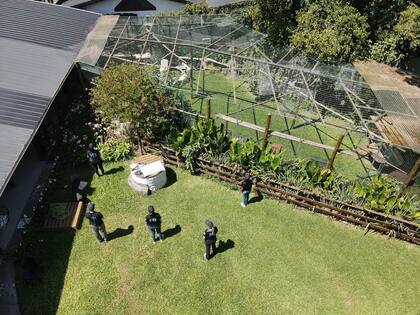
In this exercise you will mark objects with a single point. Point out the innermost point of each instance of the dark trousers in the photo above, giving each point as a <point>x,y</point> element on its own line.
<point>97,166</point>
<point>152,230</point>
<point>100,232</point>
<point>210,247</point>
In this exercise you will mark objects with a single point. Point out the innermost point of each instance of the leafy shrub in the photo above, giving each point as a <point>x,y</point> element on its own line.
<point>190,153</point>
<point>203,137</point>
<point>205,133</point>
<point>408,26</point>
<point>319,176</point>
<point>133,94</point>
<point>249,155</point>
<point>68,136</point>
<point>115,149</point>
<point>381,194</point>
<point>388,49</point>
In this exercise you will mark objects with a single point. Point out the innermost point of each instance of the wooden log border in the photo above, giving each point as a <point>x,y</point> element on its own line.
<point>389,225</point>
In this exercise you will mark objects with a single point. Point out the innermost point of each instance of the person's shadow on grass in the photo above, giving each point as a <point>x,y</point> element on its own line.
<point>172,231</point>
<point>114,170</point>
<point>224,246</point>
<point>120,233</point>
<point>257,198</point>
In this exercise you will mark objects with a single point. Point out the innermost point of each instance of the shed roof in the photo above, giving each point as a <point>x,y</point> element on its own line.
<point>399,95</point>
<point>38,45</point>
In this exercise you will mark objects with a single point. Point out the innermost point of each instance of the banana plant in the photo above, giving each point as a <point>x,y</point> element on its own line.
<point>206,135</point>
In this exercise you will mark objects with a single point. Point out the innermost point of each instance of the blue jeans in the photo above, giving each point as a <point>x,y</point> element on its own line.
<point>152,230</point>
<point>245,196</point>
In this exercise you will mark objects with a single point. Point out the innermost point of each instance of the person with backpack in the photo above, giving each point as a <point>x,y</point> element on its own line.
<point>210,238</point>
<point>154,223</point>
<point>95,159</point>
<point>246,186</point>
<point>96,222</point>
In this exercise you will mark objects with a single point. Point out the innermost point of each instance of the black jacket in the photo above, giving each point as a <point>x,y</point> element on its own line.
<point>153,219</point>
<point>95,218</point>
<point>210,234</point>
<point>94,156</point>
<point>246,185</point>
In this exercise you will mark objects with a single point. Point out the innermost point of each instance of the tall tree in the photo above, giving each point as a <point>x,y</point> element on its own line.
<point>408,27</point>
<point>132,94</point>
<point>381,14</point>
<point>331,31</point>
<point>276,18</point>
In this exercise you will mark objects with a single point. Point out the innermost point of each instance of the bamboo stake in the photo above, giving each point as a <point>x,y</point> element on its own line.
<point>266,132</point>
<point>208,108</point>
<point>334,154</point>
<point>411,176</point>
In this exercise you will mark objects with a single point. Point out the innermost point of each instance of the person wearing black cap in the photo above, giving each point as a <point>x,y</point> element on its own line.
<point>95,159</point>
<point>96,222</point>
<point>246,186</point>
<point>210,239</point>
<point>154,223</point>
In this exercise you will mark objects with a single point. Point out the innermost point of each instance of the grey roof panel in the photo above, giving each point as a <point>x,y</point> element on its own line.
<point>14,112</point>
<point>38,45</point>
<point>32,68</point>
<point>44,24</point>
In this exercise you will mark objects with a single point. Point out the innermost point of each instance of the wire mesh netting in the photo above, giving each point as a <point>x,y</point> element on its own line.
<point>311,103</point>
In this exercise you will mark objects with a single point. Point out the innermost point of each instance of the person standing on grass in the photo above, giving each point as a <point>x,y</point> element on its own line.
<point>246,186</point>
<point>96,222</point>
<point>154,223</point>
<point>210,238</point>
<point>95,159</point>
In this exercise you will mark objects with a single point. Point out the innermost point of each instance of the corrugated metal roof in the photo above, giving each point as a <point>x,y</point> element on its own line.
<point>219,3</point>
<point>401,125</point>
<point>38,45</point>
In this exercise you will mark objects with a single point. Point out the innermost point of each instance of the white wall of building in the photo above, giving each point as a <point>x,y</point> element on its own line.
<point>107,7</point>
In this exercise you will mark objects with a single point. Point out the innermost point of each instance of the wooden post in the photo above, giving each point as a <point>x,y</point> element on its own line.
<point>411,176</point>
<point>227,111</point>
<point>191,72</point>
<point>266,132</point>
<point>334,154</point>
<point>208,108</point>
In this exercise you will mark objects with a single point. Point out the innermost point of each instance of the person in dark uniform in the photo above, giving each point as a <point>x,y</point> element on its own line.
<point>246,186</point>
<point>210,238</point>
<point>96,222</point>
<point>154,223</point>
<point>95,159</point>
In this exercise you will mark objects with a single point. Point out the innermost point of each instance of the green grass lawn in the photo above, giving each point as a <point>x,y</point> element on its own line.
<point>220,87</point>
<point>285,259</point>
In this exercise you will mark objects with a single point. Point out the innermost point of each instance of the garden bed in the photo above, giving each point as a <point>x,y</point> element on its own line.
<point>371,220</point>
